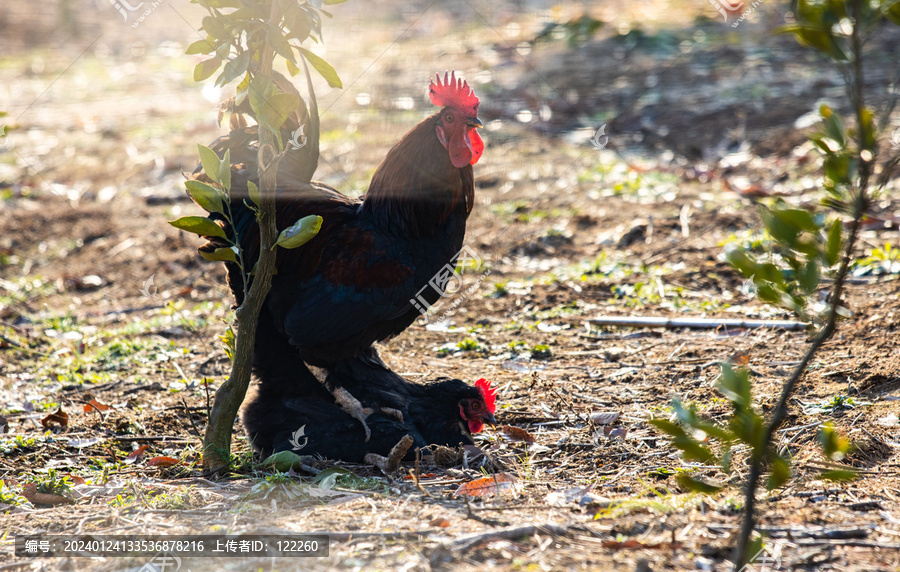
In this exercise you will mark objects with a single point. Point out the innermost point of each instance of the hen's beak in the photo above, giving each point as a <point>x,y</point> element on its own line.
<point>489,419</point>
<point>474,122</point>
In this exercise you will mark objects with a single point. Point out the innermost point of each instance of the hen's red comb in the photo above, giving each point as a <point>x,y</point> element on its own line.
<point>453,92</point>
<point>488,394</point>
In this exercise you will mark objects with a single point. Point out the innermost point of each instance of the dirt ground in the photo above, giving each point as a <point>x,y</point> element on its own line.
<point>101,300</point>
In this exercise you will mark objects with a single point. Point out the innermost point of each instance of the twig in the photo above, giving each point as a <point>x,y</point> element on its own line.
<point>856,543</point>
<point>21,347</point>
<point>187,411</point>
<point>481,519</point>
<point>466,543</point>
<point>166,438</point>
<point>702,323</point>
<point>348,536</point>
<point>415,475</point>
<point>796,532</point>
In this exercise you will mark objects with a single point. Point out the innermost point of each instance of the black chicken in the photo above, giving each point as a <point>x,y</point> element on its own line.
<point>363,278</point>
<point>445,412</point>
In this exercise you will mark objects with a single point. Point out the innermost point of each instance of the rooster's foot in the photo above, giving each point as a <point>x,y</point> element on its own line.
<point>354,408</point>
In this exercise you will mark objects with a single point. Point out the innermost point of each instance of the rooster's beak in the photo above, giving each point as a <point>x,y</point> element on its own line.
<point>474,122</point>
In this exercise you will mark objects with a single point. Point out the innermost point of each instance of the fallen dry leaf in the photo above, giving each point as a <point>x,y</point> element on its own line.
<point>94,405</point>
<point>136,454</point>
<point>492,485</point>
<point>517,434</point>
<point>162,462</point>
<point>76,480</point>
<point>422,476</point>
<point>617,434</point>
<point>29,491</point>
<point>60,418</point>
<point>740,358</point>
<point>439,521</point>
<point>604,418</point>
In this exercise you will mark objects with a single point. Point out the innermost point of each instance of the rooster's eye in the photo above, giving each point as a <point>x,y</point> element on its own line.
<point>448,118</point>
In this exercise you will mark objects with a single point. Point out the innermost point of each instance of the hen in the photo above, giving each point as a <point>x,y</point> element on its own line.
<point>364,277</point>
<point>445,412</point>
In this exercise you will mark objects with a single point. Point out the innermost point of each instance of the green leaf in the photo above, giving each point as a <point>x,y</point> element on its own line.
<point>780,230</point>
<point>689,483</point>
<point>253,191</point>
<point>687,415</point>
<point>224,254</point>
<point>225,170</point>
<point>240,92</point>
<point>323,67</point>
<point>840,475</point>
<point>283,461</point>
<point>716,431</point>
<point>228,340</point>
<point>868,128</point>
<point>781,472</point>
<point>668,427</point>
<point>833,250</point>
<point>215,28</point>
<point>234,68</point>
<point>206,68</point>
<point>259,90</point>
<point>834,126</point>
<point>206,196</point>
<point>892,11</point>
<point>201,47</point>
<point>809,277</point>
<point>300,232</point>
<point>277,108</point>
<point>754,549</point>
<point>834,445</point>
<point>738,258</point>
<point>797,218</point>
<point>198,225</point>
<point>210,162</point>
<point>297,21</point>
<point>734,384</point>
<point>694,451</point>
<point>280,44</point>
<point>327,479</point>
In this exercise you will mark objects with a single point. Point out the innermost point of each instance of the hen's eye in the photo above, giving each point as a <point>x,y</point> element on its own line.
<point>476,406</point>
<point>448,118</point>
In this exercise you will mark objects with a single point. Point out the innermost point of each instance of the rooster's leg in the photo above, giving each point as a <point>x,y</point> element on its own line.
<point>353,407</point>
<point>351,404</point>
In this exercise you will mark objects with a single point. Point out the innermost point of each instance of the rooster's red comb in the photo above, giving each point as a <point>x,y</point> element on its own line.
<point>488,394</point>
<point>453,92</point>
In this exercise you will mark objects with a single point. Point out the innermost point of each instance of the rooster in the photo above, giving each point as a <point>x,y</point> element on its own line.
<point>361,278</point>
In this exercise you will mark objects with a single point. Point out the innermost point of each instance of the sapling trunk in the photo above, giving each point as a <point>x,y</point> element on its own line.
<point>228,399</point>
<point>860,204</point>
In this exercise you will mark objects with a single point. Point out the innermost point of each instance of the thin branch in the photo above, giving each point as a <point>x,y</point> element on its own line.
<point>780,412</point>
<point>700,323</point>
